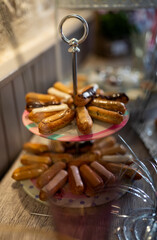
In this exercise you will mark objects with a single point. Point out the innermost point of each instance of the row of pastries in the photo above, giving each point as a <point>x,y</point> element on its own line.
<point>59,107</point>
<point>98,164</point>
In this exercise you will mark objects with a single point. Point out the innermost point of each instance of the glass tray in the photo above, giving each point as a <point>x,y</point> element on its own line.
<point>65,198</point>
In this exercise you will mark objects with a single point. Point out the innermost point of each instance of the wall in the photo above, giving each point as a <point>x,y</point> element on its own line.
<point>36,76</point>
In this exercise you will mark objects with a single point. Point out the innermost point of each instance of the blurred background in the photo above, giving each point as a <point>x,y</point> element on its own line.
<point>120,54</point>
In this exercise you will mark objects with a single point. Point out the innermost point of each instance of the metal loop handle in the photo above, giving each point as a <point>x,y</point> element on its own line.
<point>85,25</point>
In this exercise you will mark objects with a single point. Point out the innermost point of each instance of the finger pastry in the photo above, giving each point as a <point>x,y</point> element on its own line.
<point>27,159</point>
<point>106,175</point>
<point>104,143</point>
<point>56,157</point>
<point>39,116</point>
<point>37,104</point>
<point>57,146</point>
<point>56,122</point>
<point>86,158</point>
<point>31,166</point>
<point>32,97</point>
<point>61,95</point>
<point>90,177</point>
<point>75,181</point>
<point>125,170</point>
<point>54,185</point>
<point>117,148</point>
<point>53,108</point>
<point>36,148</point>
<point>28,174</point>
<point>83,120</point>
<point>61,87</point>
<point>127,159</point>
<point>89,88</point>
<point>85,95</point>
<point>105,115</point>
<point>46,176</point>
<point>109,105</point>
<point>120,97</point>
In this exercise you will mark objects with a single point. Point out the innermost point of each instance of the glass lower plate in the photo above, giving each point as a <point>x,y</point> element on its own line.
<point>65,198</point>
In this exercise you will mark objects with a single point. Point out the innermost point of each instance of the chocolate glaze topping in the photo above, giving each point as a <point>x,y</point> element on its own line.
<point>90,92</point>
<point>115,97</point>
<point>40,104</point>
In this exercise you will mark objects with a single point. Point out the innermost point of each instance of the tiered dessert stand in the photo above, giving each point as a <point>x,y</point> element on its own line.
<point>71,134</point>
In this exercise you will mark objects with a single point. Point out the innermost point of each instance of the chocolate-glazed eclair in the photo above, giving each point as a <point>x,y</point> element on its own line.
<point>55,122</point>
<point>83,120</point>
<point>119,97</point>
<point>85,95</point>
<point>109,105</point>
<point>105,115</point>
<point>38,104</point>
<point>32,96</point>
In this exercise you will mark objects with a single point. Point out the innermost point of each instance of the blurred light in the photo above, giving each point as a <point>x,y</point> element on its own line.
<point>115,206</point>
<point>148,229</point>
<point>138,52</point>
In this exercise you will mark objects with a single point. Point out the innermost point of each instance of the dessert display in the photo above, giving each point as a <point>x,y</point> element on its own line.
<point>89,166</point>
<point>97,165</point>
<point>59,107</point>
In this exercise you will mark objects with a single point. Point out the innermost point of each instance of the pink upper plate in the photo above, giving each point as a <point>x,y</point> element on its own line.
<point>70,133</point>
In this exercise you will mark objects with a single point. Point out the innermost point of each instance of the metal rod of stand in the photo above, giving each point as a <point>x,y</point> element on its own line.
<point>74,68</point>
<point>74,73</point>
<point>73,43</point>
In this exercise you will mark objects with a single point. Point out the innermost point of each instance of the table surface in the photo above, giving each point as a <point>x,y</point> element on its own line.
<point>19,209</point>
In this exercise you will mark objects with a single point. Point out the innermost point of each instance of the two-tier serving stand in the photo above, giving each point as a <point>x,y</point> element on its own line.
<point>70,133</point>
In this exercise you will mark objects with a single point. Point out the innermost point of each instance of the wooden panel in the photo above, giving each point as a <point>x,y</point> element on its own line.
<point>28,80</point>
<point>19,92</point>
<point>37,74</point>
<point>47,70</point>
<point>4,159</point>
<point>12,126</point>
<point>44,72</point>
<point>53,65</point>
